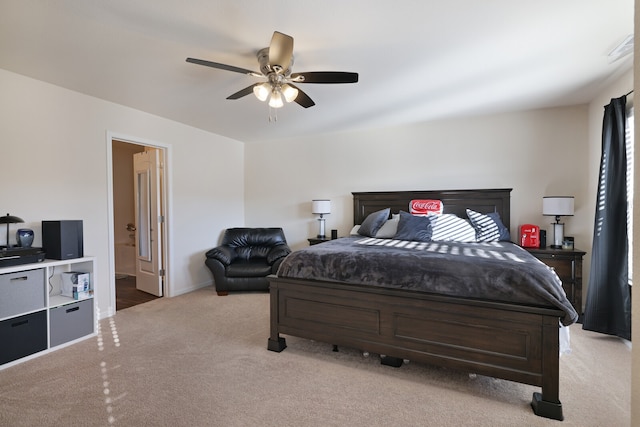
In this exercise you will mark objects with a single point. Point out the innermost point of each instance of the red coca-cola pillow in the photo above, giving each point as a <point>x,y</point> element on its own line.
<point>425,207</point>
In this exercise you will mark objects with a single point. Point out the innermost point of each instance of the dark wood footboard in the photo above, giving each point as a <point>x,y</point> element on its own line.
<point>509,341</point>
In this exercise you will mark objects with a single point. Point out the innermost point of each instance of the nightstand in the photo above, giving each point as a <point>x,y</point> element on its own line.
<point>568,266</point>
<point>316,240</point>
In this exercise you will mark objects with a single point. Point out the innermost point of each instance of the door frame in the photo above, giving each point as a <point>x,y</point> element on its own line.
<point>168,203</point>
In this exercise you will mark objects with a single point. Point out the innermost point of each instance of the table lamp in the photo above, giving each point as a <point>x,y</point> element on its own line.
<point>9,219</point>
<point>557,206</point>
<point>321,207</point>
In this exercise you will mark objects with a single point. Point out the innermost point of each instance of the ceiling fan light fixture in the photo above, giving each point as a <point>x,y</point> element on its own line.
<point>276,99</point>
<point>276,62</point>
<point>262,91</point>
<point>290,93</point>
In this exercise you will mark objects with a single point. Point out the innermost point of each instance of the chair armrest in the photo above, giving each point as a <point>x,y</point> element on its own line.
<point>277,252</point>
<point>276,265</point>
<point>224,254</point>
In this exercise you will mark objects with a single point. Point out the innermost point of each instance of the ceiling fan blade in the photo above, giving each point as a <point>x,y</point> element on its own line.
<point>302,98</point>
<point>280,52</point>
<point>222,66</point>
<point>244,92</point>
<point>326,77</point>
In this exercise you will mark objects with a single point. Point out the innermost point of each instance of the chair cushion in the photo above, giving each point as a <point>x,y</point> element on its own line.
<point>250,268</point>
<point>242,236</point>
<point>253,243</point>
<point>277,252</point>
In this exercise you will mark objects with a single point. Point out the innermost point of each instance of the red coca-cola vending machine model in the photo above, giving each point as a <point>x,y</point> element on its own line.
<point>529,236</point>
<point>425,207</point>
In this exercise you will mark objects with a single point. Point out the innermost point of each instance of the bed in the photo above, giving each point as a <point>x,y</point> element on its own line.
<point>516,341</point>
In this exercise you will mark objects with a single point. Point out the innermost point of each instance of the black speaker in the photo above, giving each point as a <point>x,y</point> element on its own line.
<point>62,239</point>
<point>543,238</point>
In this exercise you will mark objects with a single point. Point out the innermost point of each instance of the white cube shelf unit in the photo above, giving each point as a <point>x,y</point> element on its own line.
<point>35,317</point>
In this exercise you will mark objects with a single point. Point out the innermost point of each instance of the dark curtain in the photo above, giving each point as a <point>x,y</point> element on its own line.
<point>608,305</point>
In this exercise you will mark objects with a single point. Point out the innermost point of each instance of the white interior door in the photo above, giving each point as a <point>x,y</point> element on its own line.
<point>147,176</point>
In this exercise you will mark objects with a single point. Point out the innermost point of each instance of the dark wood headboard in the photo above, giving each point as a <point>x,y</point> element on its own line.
<point>454,201</point>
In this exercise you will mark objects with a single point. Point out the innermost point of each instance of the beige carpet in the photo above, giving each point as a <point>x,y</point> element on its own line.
<point>201,360</point>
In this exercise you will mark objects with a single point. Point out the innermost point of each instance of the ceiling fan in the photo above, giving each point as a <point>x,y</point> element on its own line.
<point>275,65</point>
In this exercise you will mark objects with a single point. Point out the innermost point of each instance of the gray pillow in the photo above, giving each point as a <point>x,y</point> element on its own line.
<point>505,236</point>
<point>414,227</point>
<point>373,222</point>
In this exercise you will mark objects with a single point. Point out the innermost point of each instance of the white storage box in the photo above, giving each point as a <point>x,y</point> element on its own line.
<point>73,282</point>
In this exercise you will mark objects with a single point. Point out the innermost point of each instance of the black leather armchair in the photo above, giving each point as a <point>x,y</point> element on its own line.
<point>245,257</point>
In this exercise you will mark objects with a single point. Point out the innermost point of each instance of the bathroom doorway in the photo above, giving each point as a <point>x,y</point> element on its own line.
<point>127,292</point>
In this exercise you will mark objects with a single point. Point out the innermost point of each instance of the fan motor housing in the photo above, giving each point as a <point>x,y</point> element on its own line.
<point>265,67</point>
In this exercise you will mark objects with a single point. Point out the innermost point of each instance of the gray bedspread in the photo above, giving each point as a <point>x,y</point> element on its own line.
<point>500,271</point>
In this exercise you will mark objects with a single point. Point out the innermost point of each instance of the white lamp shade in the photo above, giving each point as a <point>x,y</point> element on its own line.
<point>557,206</point>
<point>276,99</point>
<point>321,206</point>
<point>262,91</point>
<point>290,93</point>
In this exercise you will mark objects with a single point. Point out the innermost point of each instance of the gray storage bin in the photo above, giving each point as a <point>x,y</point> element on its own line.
<point>22,292</point>
<point>71,321</point>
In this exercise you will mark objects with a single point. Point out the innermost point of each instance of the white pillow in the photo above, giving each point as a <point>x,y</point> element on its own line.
<point>389,228</point>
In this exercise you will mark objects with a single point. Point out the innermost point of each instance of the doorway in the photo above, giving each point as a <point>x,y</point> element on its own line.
<point>128,231</point>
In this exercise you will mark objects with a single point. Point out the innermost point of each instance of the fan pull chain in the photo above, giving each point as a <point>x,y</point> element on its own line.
<point>273,117</point>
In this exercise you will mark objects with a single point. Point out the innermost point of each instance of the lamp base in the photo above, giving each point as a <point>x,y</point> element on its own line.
<point>558,235</point>
<point>321,234</point>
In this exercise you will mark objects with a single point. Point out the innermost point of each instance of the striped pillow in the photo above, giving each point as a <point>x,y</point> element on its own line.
<point>487,229</point>
<point>451,228</point>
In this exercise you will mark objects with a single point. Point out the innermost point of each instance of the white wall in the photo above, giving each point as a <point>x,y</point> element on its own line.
<point>537,153</point>
<point>54,166</point>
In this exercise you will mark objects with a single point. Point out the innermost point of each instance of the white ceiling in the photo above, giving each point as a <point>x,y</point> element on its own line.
<point>417,60</point>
